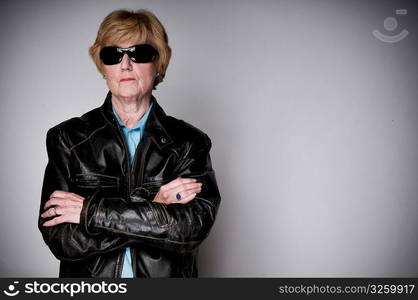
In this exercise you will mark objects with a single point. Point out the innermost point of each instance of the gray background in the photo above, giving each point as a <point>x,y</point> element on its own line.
<point>313,122</point>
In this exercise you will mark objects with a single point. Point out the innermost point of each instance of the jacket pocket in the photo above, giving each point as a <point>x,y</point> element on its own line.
<point>148,190</point>
<point>94,180</point>
<point>154,186</point>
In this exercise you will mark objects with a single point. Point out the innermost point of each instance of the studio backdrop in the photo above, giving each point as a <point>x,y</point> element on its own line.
<point>312,108</point>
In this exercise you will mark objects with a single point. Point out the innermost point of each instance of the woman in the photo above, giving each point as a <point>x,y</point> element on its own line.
<point>128,191</point>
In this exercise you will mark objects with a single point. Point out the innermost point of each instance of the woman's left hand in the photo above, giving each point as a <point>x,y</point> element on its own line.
<point>64,206</point>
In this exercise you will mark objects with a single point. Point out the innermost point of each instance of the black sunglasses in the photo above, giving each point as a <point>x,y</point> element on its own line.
<point>142,53</point>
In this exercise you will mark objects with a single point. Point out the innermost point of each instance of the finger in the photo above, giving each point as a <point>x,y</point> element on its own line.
<point>68,198</point>
<point>78,196</point>
<point>56,202</point>
<point>49,213</point>
<point>188,186</point>
<point>176,182</point>
<point>49,203</point>
<point>187,192</point>
<point>75,197</point>
<point>191,187</point>
<point>62,202</point>
<point>66,218</point>
<point>192,191</point>
<point>59,194</point>
<point>63,194</point>
<point>184,194</point>
<point>187,199</point>
<point>56,221</point>
<point>68,210</point>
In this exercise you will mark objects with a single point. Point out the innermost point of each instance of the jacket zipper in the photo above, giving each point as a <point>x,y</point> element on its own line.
<point>143,156</point>
<point>141,178</point>
<point>119,134</point>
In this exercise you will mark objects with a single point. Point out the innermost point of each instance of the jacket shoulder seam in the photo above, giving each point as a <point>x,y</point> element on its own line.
<point>60,136</point>
<point>87,138</point>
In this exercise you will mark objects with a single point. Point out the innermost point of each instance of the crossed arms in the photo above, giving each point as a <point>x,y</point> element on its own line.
<point>75,227</point>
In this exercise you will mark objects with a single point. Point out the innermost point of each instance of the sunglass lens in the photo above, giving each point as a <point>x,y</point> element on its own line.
<point>143,53</point>
<point>110,55</point>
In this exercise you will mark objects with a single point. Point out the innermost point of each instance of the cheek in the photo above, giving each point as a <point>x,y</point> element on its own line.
<point>109,72</point>
<point>146,72</point>
<point>111,78</point>
<point>111,84</point>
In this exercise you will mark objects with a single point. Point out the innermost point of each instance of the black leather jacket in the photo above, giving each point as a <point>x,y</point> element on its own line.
<point>88,156</point>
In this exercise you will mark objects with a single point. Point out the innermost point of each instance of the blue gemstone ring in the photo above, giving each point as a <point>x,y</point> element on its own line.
<point>178,196</point>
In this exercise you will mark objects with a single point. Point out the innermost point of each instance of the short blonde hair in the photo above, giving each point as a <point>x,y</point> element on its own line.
<point>140,26</point>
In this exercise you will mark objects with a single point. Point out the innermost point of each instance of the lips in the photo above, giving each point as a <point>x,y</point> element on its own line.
<point>127,79</point>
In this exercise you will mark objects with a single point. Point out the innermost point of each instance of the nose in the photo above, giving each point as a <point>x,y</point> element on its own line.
<point>126,63</point>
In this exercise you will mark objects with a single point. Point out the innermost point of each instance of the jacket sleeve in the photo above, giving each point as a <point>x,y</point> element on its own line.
<point>174,227</point>
<point>69,241</point>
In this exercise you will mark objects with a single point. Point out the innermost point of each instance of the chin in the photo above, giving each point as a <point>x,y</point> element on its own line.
<point>129,94</point>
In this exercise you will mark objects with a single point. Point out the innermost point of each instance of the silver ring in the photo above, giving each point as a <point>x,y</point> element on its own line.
<point>55,212</point>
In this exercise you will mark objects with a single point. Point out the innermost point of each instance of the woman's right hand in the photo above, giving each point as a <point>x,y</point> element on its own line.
<point>187,188</point>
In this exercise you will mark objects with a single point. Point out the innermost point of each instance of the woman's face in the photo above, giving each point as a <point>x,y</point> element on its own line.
<point>128,79</point>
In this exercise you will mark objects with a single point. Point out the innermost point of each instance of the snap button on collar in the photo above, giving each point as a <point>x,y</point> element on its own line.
<point>163,140</point>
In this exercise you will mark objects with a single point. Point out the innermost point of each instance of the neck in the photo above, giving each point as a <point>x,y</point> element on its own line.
<point>130,110</point>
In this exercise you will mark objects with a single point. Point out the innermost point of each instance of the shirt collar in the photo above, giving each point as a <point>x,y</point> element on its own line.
<point>140,124</point>
<point>157,124</point>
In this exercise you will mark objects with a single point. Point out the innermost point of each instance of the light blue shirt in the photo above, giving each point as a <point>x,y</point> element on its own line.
<point>132,137</point>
